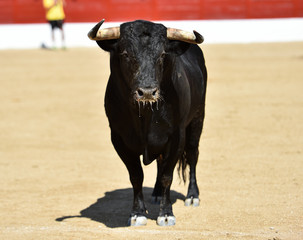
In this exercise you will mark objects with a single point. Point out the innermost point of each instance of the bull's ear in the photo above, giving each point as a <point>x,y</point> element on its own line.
<point>108,45</point>
<point>177,47</point>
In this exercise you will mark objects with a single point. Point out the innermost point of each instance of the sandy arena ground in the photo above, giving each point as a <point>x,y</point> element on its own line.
<point>61,178</point>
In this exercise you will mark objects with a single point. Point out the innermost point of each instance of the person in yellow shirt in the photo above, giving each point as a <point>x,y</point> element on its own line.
<point>55,16</point>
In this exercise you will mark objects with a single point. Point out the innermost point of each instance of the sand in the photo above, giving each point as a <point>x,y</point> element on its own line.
<point>62,179</point>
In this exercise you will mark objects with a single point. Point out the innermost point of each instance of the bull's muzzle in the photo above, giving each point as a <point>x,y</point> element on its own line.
<point>147,96</point>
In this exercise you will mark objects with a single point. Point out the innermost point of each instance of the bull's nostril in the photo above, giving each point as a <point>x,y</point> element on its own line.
<point>140,92</point>
<point>154,92</point>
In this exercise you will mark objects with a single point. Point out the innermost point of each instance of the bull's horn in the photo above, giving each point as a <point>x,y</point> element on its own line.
<point>98,34</point>
<point>176,34</point>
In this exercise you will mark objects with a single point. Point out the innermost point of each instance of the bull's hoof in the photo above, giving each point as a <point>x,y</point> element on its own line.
<point>195,202</point>
<point>137,221</point>
<point>166,220</point>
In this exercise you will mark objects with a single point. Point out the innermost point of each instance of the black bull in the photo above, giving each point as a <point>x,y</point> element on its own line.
<point>155,101</point>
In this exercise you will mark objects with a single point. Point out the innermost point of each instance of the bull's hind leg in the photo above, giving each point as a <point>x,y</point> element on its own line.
<point>193,133</point>
<point>133,164</point>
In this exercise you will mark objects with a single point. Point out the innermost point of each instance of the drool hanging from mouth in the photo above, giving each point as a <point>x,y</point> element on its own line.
<point>147,101</point>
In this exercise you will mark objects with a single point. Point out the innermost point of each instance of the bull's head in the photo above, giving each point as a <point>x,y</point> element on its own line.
<point>140,49</point>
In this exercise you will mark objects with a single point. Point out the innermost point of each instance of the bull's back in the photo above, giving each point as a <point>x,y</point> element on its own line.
<point>196,78</point>
<point>194,60</point>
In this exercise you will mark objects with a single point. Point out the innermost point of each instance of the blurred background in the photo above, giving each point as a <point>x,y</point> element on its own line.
<point>56,158</point>
<point>244,20</point>
<point>31,11</point>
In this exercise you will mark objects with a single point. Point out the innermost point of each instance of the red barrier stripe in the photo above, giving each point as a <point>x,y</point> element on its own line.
<point>31,11</point>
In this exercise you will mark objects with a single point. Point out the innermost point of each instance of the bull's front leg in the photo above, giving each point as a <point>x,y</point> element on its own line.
<point>137,217</point>
<point>165,178</point>
<point>133,165</point>
<point>166,216</point>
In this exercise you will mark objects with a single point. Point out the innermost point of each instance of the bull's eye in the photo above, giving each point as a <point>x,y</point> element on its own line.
<point>124,54</point>
<point>163,54</point>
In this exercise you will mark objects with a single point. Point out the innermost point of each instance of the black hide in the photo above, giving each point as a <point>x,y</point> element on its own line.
<point>155,102</point>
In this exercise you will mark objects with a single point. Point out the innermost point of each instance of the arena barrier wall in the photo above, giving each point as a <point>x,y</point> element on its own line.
<point>31,11</point>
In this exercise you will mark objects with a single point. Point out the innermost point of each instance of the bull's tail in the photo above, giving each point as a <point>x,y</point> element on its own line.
<point>182,164</point>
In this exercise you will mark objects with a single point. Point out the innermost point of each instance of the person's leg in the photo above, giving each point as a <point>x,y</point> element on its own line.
<point>53,25</point>
<point>60,23</point>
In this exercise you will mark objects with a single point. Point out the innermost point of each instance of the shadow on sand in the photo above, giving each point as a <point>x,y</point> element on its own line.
<point>114,208</point>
